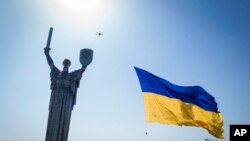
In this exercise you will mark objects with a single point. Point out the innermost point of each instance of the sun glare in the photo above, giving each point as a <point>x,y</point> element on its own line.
<point>80,6</point>
<point>81,13</point>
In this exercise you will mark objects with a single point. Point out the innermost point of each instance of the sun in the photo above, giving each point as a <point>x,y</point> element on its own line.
<point>80,6</point>
<point>84,14</point>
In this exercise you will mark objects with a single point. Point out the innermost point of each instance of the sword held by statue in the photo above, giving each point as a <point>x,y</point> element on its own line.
<point>49,38</point>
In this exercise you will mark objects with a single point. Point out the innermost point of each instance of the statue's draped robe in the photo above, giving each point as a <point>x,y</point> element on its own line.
<point>63,97</point>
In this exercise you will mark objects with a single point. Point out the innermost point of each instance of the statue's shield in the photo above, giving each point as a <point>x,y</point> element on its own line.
<point>86,56</point>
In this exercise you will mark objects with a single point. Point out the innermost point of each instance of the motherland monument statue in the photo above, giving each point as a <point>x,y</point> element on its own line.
<point>63,87</point>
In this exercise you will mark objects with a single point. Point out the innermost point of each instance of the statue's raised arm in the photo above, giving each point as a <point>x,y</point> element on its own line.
<point>49,59</point>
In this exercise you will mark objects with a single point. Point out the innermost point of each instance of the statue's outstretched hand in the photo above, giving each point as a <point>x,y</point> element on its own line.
<point>46,51</point>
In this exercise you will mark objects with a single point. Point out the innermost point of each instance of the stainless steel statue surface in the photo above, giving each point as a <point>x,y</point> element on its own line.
<point>63,87</point>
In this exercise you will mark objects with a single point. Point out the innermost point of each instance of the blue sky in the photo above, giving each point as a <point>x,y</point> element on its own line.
<point>189,43</point>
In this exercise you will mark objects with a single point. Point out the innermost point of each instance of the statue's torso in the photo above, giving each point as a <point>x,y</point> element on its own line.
<point>63,80</point>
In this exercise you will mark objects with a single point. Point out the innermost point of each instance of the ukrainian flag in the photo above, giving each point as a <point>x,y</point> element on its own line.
<point>167,103</point>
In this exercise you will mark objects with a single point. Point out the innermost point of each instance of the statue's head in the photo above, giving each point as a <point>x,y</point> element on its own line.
<point>66,63</point>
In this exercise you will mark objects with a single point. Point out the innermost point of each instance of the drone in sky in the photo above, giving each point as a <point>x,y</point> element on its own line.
<point>99,33</point>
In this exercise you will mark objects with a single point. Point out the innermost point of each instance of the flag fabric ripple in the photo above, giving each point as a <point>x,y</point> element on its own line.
<point>167,103</point>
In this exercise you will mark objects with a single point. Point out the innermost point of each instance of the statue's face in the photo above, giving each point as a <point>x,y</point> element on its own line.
<point>66,63</point>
